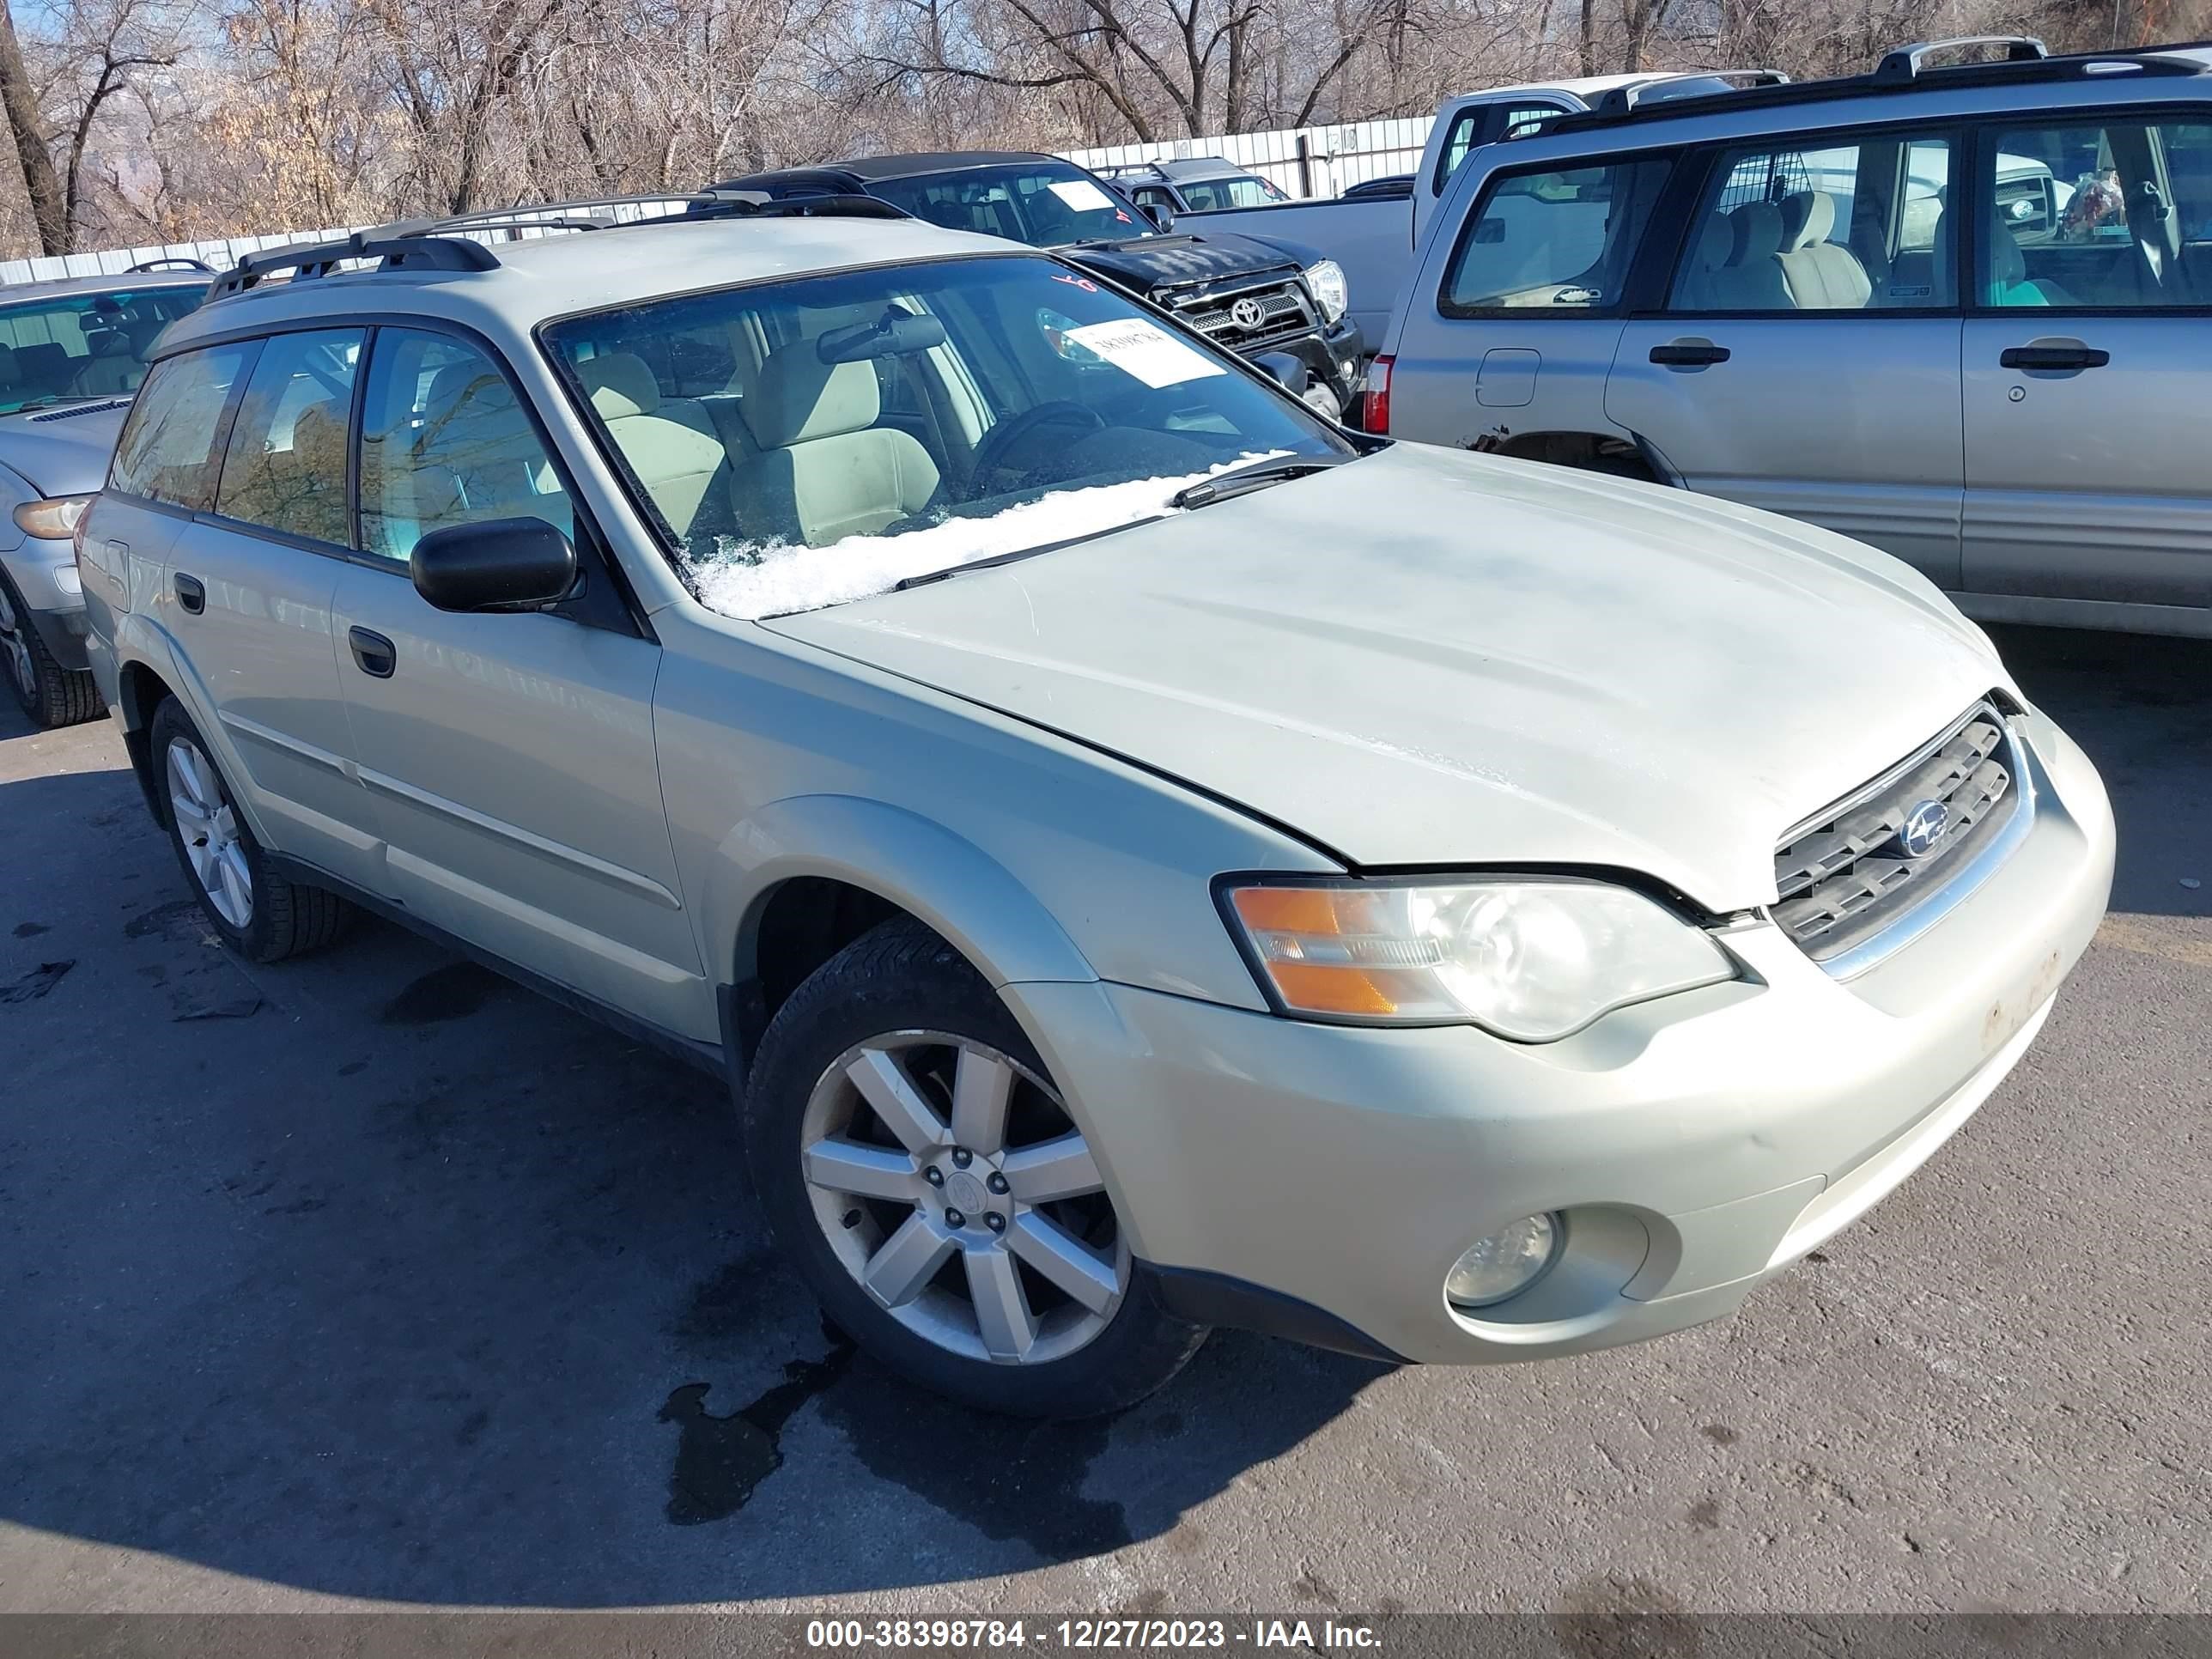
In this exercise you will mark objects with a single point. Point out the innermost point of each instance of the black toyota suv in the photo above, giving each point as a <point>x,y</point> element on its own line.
<point>1280,305</point>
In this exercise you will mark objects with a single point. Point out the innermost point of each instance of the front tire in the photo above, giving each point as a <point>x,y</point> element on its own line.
<point>51,695</point>
<point>258,914</point>
<point>919,1169</point>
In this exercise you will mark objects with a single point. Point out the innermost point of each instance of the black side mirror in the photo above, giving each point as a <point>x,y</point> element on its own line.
<point>500,565</point>
<point>1284,369</point>
<point>1162,216</point>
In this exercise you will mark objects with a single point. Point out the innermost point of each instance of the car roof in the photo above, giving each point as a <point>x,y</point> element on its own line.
<point>1175,168</point>
<point>871,167</point>
<point>121,283</point>
<point>554,276</point>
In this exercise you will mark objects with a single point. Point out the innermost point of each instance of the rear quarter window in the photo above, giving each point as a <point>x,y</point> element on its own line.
<point>1552,241</point>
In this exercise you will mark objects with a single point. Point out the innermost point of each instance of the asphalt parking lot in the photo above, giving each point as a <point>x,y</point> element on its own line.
<point>370,1278</point>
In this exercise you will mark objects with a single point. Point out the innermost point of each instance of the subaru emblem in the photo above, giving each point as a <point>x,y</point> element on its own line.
<point>1923,827</point>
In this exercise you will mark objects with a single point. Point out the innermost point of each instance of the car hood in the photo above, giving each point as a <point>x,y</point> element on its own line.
<point>63,450</point>
<point>1427,658</point>
<point>1151,264</point>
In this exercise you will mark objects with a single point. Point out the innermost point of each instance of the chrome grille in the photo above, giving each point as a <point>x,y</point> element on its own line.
<point>1848,876</point>
<point>1283,316</point>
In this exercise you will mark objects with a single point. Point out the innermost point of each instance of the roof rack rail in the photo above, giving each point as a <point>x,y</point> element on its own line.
<point>1905,62</point>
<point>596,212</point>
<point>445,244</point>
<point>2024,61</point>
<point>404,247</point>
<point>1616,101</point>
<point>831,204</point>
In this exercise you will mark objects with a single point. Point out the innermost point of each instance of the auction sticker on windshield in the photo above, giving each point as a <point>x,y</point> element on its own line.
<point>1081,195</point>
<point>1136,347</point>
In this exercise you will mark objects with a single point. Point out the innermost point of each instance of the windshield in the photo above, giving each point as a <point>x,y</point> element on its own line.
<point>808,442</point>
<point>83,345</point>
<point>1044,203</point>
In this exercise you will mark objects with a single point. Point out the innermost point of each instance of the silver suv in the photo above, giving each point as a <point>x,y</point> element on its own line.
<point>1142,857</point>
<point>71,353</point>
<point>1958,311</point>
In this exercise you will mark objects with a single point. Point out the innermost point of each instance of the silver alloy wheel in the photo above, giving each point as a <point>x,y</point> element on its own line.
<point>909,1152</point>
<point>19,648</point>
<point>208,824</point>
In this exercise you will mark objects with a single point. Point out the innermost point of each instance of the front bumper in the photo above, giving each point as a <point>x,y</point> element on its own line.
<point>45,574</point>
<point>1698,1145</point>
<point>1333,357</point>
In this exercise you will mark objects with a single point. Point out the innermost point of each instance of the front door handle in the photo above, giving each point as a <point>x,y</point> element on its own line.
<point>373,653</point>
<point>2070,354</point>
<point>191,592</point>
<point>1689,354</point>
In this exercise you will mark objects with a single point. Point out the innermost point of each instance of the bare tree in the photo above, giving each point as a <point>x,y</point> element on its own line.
<point>49,206</point>
<point>171,119</point>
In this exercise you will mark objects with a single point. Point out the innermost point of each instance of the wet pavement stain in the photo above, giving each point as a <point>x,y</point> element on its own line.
<point>453,992</point>
<point>29,929</point>
<point>721,1460</point>
<point>1014,1479</point>
<point>36,983</point>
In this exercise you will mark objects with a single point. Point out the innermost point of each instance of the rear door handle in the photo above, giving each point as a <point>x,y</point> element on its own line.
<point>2053,356</point>
<point>1689,354</point>
<point>373,653</point>
<point>192,593</point>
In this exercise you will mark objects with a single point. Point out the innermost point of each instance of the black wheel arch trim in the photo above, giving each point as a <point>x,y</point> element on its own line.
<point>1227,1303</point>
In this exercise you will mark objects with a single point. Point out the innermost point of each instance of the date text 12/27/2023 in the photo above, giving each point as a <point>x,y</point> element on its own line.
<point>987,1635</point>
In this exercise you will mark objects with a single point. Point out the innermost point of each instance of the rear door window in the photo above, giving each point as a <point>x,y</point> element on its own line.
<point>171,446</point>
<point>1850,227</point>
<point>286,465</point>
<point>1552,241</point>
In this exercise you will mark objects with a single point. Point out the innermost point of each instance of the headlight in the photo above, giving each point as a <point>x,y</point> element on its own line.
<point>52,522</point>
<point>1325,281</point>
<point>1533,958</point>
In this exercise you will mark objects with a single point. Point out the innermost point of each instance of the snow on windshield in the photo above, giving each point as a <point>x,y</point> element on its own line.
<point>751,579</point>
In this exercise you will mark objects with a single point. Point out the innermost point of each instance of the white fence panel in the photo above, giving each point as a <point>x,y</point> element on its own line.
<point>1306,162</point>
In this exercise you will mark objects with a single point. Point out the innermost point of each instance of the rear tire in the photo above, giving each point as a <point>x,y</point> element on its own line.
<point>51,695</point>
<point>259,915</point>
<point>900,1003</point>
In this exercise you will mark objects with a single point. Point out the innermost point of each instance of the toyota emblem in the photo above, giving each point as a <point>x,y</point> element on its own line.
<point>1248,313</point>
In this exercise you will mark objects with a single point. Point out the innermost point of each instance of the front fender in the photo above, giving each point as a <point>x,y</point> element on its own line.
<point>942,878</point>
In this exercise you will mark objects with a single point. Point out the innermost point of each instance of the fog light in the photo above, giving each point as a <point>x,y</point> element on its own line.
<point>1505,1263</point>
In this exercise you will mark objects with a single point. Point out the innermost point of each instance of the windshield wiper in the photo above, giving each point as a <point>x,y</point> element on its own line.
<point>1258,476</point>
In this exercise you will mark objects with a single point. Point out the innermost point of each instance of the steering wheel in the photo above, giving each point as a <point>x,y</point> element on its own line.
<point>1002,439</point>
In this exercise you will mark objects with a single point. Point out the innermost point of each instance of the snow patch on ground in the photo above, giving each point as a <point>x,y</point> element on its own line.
<point>751,579</point>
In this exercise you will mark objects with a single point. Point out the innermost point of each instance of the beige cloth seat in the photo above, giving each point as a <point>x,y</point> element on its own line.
<point>1819,275</point>
<point>1751,279</point>
<point>1704,284</point>
<point>670,444</point>
<point>826,470</point>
